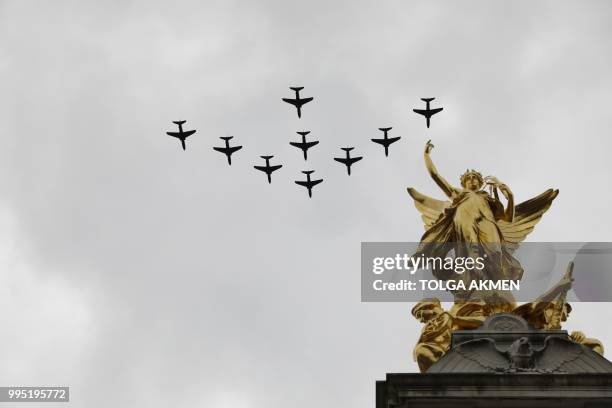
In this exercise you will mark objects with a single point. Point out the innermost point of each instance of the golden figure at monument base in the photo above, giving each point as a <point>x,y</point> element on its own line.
<point>475,223</point>
<point>435,337</point>
<point>549,309</point>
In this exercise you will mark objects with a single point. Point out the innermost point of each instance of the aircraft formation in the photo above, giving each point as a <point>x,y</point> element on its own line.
<point>303,144</point>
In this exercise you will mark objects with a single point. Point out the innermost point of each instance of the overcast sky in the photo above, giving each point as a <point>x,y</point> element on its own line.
<point>141,275</point>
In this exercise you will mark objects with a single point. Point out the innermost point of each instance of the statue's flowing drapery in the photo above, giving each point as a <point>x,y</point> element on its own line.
<point>473,221</point>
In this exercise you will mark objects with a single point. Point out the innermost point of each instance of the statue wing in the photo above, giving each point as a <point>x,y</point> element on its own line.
<point>484,353</point>
<point>526,215</point>
<point>430,208</point>
<point>557,354</point>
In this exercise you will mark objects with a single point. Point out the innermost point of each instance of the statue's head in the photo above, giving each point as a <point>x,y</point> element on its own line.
<point>427,309</point>
<point>553,318</point>
<point>472,180</point>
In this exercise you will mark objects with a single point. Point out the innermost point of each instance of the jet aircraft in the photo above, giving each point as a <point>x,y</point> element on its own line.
<point>227,149</point>
<point>297,102</point>
<point>427,112</point>
<point>304,145</point>
<point>308,183</point>
<point>181,134</point>
<point>267,168</point>
<point>348,160</point>
<point>386,141</point>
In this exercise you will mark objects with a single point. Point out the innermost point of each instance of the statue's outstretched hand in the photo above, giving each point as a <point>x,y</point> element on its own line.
<point>428,147</point>
<point>577,336</point>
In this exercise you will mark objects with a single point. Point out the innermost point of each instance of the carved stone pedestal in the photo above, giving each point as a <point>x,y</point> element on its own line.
<point>505,364</point>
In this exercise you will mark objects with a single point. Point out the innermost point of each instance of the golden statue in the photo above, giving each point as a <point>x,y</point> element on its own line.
<point>593,344</point>
<point>475,223</point>
<point>435,336</point>
<point>549,310</point>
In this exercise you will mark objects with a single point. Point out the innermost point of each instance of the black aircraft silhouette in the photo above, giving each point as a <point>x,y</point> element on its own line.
<point>227,150</point>
<point>297,102</point>
<point>181,134</point>
<point>348,160</point>
<point>267,168</point>
<point>304,145</point>
<point>386,141</point>
<point>428,113</point>
<point>308,183</point>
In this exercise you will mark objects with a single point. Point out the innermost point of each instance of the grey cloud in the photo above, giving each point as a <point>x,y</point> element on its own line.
<point>197,284</point>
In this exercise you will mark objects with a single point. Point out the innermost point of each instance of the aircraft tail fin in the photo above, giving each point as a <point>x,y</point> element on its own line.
<point>347,149</point>
<point>427,99</point>
<point>386,129</point>
<point>266,157</point>
<point>308,172</point>
<point>179,122</point>
<point>226,137</point>
<point>303,133</point>
<point>296,88</point>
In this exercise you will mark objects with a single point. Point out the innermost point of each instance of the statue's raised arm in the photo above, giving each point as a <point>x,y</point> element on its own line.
<point>448,189</point>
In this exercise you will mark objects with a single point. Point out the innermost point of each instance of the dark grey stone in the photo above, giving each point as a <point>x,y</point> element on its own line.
<point>505,364</point>
<point>460,390</point>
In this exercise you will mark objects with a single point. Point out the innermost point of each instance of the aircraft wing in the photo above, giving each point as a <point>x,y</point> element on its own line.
<point>302,183</point>
<point>393,139</point>
<point>262,168</point>
<point>306,100</point>
<point>234,149</point>
<point>291,101</point>
<point>355,159</point>
<point>315,182</point>
<point>432,111</point>
<point>181,135</point>
<point>296,144</point>
<point>313,143</point>
<point>381,141</point>
<point>221,149</point>
<point>341,160</point>
<point>274,168</point>
<point>420,111</point>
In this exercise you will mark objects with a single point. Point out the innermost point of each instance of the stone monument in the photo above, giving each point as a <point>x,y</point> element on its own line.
<point>487,351</point>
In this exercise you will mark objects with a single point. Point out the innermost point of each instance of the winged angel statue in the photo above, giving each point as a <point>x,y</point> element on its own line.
<point>473,222</point>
